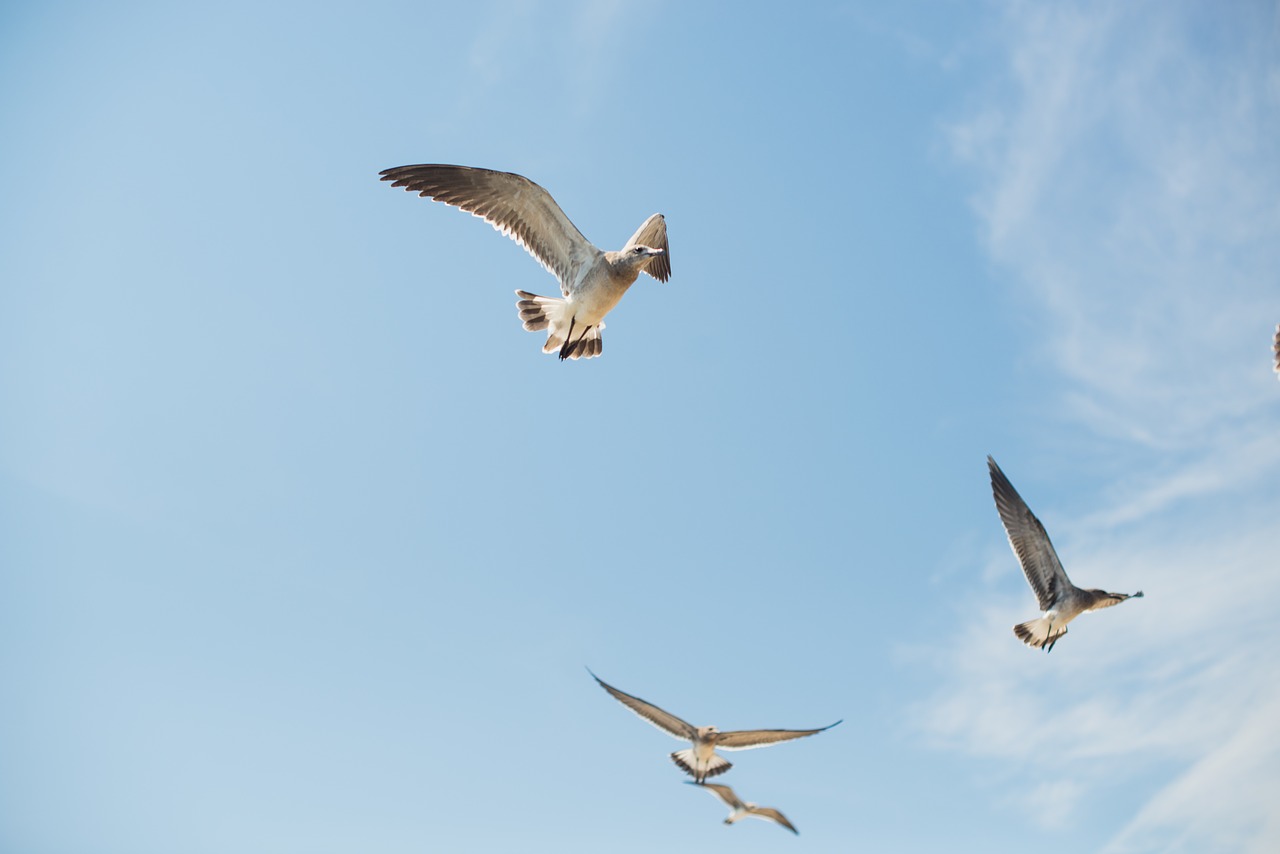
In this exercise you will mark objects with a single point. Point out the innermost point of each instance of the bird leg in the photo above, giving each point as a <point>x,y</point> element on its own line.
<point>580,337</point>
<point>568,339</point>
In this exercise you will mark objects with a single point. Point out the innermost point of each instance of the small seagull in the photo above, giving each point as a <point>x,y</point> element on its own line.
<point>740,809</point>
<point>1275,349</point>
<point>701,761</point>
<point>1060,600</point>
<point>591,280</point>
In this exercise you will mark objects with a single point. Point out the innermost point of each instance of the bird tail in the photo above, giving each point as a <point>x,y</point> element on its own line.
<point>1040,633</point>
<point>687,761</point>
<point>571,340</point>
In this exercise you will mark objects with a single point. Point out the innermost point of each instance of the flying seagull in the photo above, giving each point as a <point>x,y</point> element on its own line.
<point>1060,600</point>
<point>740,809</point>
<point>1275,349</point>
<point>591,280</point>
<point>701,761</point>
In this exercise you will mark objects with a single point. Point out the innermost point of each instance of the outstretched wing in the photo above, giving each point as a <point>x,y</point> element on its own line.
<point>1029,540</point>
<point>725,794</point>
<point>746,739</point>
<point>665,721</point>
<point>511,203</point>
<point>654,235</point>
<point>770,814</point>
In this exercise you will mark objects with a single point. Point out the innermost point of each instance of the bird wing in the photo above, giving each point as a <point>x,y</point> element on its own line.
<point>654,235</point>
<point>746,739</point>
<point>771,814</point>
<point>665,721</point>
<point>1029,540</point>
<point>511,203</point>
<point>724,793</point>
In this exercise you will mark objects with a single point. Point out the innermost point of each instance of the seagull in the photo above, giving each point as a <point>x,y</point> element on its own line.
<point>1060,600</point>
<point>701,761</point>
<point>740,809</point>
<point>1275,349</point>
<point>591,280</point>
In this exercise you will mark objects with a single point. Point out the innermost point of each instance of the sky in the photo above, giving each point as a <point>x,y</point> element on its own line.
<point>305,546</point>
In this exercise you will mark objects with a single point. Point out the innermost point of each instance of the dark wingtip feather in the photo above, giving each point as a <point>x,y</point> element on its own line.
<point>998,477</point>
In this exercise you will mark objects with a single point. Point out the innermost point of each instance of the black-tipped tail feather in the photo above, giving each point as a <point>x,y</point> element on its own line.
<point>1039,633</point>
<point>532,312</point>
<point>587,346</point>
<point>687,762</point>
<point>564,336</point>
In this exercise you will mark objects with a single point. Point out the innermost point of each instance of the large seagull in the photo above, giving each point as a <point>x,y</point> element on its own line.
<point>591,280</point>
<point>1060,600</point>
<point>701,761</point>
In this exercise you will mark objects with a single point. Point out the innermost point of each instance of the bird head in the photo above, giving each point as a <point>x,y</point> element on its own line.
<point>639,255</point>
<point>1118,597</point>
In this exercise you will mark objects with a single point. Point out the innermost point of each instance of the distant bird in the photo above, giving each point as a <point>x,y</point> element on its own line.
<point>591,281</point>
<point>1275,349</point>
<point>740,809</point>
<point>701,761</point>
<point>1060,600</point>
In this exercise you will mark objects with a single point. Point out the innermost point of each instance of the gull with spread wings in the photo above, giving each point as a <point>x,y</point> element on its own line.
<point>701,761</point>
<point>740,809</point>
<point>591,280</point>
<point>1060,600</point>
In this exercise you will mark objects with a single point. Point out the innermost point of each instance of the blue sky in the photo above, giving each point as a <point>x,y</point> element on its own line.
<point>304,545</point>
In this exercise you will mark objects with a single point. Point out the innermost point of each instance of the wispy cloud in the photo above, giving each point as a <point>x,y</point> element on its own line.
<point>1224,802</point>
<point>1132,189</point>
<point>1128,174</point>
<point>1052,801</point>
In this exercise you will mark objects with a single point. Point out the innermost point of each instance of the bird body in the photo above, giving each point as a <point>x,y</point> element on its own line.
<point>740,809</point>
<point>1059,599</point>
<point>592,281</point>
<point>701,760</point>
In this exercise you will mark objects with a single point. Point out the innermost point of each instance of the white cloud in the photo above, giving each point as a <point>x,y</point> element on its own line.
<point>1224,802</point>
<point>1128,173</point>
<point>1133,191</point>
<point>1051,801</point>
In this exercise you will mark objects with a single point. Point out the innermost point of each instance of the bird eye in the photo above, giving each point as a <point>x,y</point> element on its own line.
<point>638,250</point>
